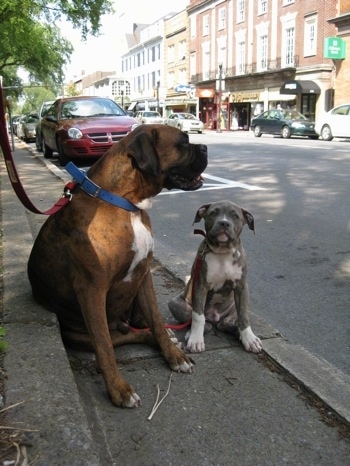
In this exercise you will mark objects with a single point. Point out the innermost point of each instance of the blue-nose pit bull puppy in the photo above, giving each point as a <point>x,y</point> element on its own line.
<point>217,291</point>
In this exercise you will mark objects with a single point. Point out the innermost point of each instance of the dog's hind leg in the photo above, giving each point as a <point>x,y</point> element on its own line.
<point>82,341</point>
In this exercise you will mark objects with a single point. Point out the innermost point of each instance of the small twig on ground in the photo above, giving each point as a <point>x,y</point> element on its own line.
<point>157,404</point>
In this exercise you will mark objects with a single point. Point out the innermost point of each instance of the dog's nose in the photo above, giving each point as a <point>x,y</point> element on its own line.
<point>225,224</point>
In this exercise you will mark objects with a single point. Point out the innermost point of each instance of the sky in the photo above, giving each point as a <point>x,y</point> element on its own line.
<point>103,52</point>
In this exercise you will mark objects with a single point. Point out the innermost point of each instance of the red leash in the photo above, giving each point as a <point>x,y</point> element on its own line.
<point>171,326</point>
<point>13,175</point>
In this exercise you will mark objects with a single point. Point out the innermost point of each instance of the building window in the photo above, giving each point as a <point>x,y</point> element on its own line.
<point>171,53</point>
<point>193,64</point>
<point>193,26</point>
<point>182,49</point>
<point>289,46</point>
<point>262,7</point>
<point>182,76</point>
<point>287,2</point>
<point>240,10</point>
<point>206,65</point>
<point>240,68</point>
<point>262,53</point>
<point>222,19</point>
<point>171,79</point>
<point>310,36</point>
<point>206,25</point>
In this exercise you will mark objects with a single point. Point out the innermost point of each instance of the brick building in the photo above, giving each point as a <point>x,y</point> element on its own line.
<point>250,55</point>
<point>342,66</point>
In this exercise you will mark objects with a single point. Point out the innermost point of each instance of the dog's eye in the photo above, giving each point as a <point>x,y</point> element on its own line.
<point>234,215</point>
<point>213,213</point>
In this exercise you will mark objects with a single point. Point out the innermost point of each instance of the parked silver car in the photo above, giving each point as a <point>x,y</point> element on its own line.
<point>335,123</point>
<point>26,127</point>
<point>185,122</point>
<point>149,117</point>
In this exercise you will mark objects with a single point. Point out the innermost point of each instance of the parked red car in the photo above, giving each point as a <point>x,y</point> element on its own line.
<point>83,126</point>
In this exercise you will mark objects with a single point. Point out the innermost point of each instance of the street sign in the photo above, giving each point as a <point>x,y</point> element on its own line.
<point>335,48</point>
<point>183,88</point>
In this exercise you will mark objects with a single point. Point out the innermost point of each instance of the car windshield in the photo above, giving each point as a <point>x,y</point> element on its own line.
<point>187,116</point>
<point>90,108</point>
<point>293,115</point>
<point>151,114</point>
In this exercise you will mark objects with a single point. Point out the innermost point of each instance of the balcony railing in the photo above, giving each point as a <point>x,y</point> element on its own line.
<point>253,68</point>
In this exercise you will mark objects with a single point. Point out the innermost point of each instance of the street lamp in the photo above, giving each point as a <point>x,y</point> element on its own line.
<point>158,84</point>
<point>121,90</point>
<point>218,112</point>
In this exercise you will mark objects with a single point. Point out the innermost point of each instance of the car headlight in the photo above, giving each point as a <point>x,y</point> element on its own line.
<point>75,133</point>
<point>297,124</point>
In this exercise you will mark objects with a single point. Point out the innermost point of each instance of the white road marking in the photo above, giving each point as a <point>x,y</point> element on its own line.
<point>221,184</point>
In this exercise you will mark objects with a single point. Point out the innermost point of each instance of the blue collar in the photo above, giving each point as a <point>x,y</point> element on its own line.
<point>93,190</point>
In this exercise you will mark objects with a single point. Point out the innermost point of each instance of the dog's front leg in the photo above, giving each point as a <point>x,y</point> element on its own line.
<point>249,340</point>
<point>121,393</point>
<point>195,336</point>
<point>147,304</point>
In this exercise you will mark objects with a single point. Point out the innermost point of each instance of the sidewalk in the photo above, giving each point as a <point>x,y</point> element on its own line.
<point>235,409</point>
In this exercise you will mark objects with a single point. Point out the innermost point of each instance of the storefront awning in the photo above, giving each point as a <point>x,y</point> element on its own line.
<point>300,87</point>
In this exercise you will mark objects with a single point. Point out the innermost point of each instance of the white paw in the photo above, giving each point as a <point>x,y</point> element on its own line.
<point>195,343</point>
<point>184,367</point>
<point>134,401</point>
<point>250,341</point>
<point>195,336</point>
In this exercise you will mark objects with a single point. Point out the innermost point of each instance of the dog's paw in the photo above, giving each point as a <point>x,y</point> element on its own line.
<point>133,402</point>
<point>124,396</point>
<point>195,343</point>
<point>250,341</point>
<point>185,366</point>
<point>179,361</point>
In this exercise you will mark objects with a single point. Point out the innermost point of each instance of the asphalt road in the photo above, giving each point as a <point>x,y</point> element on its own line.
<point>299,259</point>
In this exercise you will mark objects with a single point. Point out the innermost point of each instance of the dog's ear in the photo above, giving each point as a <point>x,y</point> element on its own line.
<point>200,213</point>
<point>249,219</point>
<point>143,152</point>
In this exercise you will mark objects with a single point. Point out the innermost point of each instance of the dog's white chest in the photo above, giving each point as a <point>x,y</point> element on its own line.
<point>143,243</point>
<point>221,268</point>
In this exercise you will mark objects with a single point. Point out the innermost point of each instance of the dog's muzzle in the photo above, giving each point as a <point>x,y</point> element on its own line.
<point>188,178</point>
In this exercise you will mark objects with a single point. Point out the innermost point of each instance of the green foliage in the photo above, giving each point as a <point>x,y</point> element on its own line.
<point>34,97</point>
<point>30,38</point>
<point>3,344</point>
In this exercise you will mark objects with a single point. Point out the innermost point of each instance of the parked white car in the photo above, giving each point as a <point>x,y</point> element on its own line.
<point>335,123</point>
<point>185,121</point>
<point>149,117</point>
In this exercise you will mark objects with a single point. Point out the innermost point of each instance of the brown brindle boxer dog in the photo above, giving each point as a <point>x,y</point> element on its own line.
<point>90,263</point>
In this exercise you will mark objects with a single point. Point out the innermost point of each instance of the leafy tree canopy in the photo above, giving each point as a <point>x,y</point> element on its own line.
<point>30,38</point>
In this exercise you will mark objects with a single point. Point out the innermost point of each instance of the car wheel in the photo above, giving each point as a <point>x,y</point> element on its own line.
<point>285,132</point>
<point>200,132</point>
<point>326,133</point>
<point>62,158</point>
<point>47,150</point>
<point>257,131</point>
